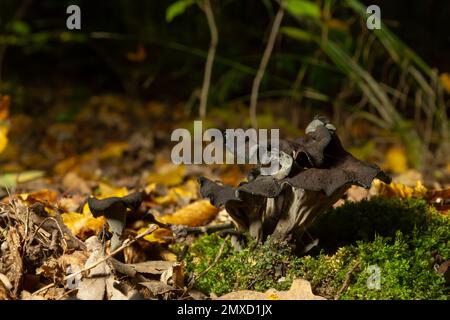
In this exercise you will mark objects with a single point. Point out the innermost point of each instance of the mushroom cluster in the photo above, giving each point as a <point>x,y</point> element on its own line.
<point>315,171</point>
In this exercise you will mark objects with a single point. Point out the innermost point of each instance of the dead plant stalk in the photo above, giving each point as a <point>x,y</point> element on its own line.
<point>210,58</point>
<point>125,244</point>
<point>263,65</point>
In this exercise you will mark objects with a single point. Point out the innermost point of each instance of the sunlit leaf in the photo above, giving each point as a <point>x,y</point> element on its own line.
<point>445,80</point>
<point>4,127</point>
<point>297,34</point>
<point>83,224</point>
<point>302,8</point>
<point>168,174</point>
<point>177,8</point>
<point>396,160</point>
<point>196,214</point>
<point>181,195</point>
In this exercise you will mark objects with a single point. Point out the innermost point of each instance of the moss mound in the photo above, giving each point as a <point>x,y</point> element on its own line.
<point>396,239</point>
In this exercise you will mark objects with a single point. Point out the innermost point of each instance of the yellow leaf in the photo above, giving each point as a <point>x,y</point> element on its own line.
<point>113,150</point>
<point>106,191</point>
<point>4,114</point>
<point>396,160</point>
<point>160,235</point>
<point>400,190</point>
<point>167,255</point>
<point>445,79</point>
<point>3,139</point>
<point>169,174</point>
<point>45,196</point>
<point>83,224</point>
<point>196,214</point>
<point>179,195</point>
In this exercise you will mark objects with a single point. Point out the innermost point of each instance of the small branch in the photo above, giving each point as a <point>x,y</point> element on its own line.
<point>348,277</point>
<point>210,58</point>
<point>216,259</point>
<point>125,244</point>
<point>184,231</point>
<point>263,65</point>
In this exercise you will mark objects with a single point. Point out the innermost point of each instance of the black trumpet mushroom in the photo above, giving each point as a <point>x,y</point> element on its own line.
<point>315,171</point>
<point>114,209</point>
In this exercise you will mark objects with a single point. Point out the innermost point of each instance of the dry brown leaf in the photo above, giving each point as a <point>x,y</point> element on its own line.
<point>300,290</point>
<point>73,182</point>
<point>45,196</point>
<point>152,267</point>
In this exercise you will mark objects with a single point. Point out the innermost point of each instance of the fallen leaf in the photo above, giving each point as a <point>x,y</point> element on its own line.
<point>113,149</point>
<point>168,174</point>
<point>181,195</point>
<point>400,190</point>
<point>395,160</point>
<point>4,127</point>
<point>152,267</point>
<point>93,287</point>
<point>438,198</point>
<point>160,235</point>
<point>157,287</point>
<point>105,191</point>
<point>100,283</point>
<point>73,182</point>
<point>300,290</point>
<point>445,80</point>
<point>45,196</point>
<point>83,225</point>
<point>196,214</point>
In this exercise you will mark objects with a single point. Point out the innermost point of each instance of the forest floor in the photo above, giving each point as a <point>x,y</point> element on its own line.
<point>52,247</point>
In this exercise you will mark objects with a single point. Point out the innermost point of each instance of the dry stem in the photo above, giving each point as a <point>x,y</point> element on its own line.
<point>263,65</point>
<point>210,58</point>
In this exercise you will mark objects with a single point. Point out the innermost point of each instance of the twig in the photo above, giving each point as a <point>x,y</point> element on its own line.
<point>41,225</point>
<point>263,64</point>
<point>216,259</point>
<point>210,58</point>
<point>124,245</point>
<point>348,277</point>
<point>203,229</point>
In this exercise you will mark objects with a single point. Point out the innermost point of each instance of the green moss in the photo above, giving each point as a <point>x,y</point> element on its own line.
<point>396,236</point>
<point>256,267</point>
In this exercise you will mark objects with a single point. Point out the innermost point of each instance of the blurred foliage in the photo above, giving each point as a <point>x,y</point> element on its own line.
<point>325,61</point>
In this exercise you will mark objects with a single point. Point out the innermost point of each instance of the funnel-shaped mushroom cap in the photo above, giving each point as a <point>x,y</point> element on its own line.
<point>114,209</point>
<point>322,168</point>
<point>102,207</point>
